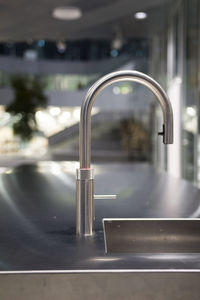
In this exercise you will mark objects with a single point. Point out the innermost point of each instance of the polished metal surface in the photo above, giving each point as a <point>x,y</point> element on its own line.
<point>38,209</point>
<point>85,174</point>
<point>105,197</point>
<point>84,194</point>
<point>152,235</point>
<point>107,286</point>
<point>84,190</point>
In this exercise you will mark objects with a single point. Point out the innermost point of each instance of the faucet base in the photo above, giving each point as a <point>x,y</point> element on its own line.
<point>84,201</point>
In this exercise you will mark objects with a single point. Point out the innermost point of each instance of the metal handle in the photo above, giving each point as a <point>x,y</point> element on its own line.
<point>107,197</point>
<point>103,197</point>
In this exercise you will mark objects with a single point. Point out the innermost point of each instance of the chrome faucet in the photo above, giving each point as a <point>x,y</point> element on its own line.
<point>85,175</point>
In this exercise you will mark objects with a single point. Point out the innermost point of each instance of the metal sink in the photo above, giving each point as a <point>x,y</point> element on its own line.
<point>41,256</point>
<point>152,235</point>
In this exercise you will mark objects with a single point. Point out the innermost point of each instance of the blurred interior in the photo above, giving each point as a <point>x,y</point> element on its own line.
<point>49,58</point>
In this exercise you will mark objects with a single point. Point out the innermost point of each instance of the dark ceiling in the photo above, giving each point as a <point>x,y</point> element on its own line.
<point>102,19</point>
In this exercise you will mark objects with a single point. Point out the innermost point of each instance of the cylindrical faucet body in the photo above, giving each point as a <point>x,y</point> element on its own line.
<point>85,193</point>
<point>84,201</point>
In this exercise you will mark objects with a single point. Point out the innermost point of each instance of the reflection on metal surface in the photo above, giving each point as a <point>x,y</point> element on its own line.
<point>173,257</point>
<point>196,213</point>
<point>105,197</point>
<point>67,166</point>
<point>15,209</point>
<point>104,259</point>
<point>152,235</point>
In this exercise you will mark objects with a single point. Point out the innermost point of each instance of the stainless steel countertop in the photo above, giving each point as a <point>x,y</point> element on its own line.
<point>37,217</point>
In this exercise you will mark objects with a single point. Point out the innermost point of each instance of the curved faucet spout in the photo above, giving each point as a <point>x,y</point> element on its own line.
<point>85,175</point>
<point>85,122</point>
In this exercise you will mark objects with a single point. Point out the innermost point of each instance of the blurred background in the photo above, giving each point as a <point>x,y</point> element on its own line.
<point>51,52</point>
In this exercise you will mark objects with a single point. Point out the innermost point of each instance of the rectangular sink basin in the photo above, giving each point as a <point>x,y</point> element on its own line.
<point>152,235</point>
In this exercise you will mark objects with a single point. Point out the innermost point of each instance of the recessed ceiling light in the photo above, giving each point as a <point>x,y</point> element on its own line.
<point>67,13</point>
<point>140,15</point>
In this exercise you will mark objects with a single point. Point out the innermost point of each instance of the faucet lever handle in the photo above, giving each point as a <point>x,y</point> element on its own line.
<point>162,132</point>
<point>103,197</point>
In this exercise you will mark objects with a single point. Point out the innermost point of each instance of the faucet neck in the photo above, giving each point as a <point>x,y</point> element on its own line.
<point>134,76</point>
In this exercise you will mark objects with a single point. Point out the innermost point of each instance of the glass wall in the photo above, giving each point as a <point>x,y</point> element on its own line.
<point>191,111</point>
<point>175,63</point>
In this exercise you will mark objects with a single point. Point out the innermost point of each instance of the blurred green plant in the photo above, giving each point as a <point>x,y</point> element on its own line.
<point>28,96</point>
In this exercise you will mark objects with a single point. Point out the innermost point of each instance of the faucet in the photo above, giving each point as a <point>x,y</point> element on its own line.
<point>85,174</point>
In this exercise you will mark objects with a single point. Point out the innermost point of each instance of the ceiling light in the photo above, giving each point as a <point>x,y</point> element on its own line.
<point>191,111</point>
<point>54,111</point>
<point>116,90</point>
<point>76,114</point>
<point>140,15</point>
<point>125,90</point>
<point>65,116</point>
<point>67,13</point>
